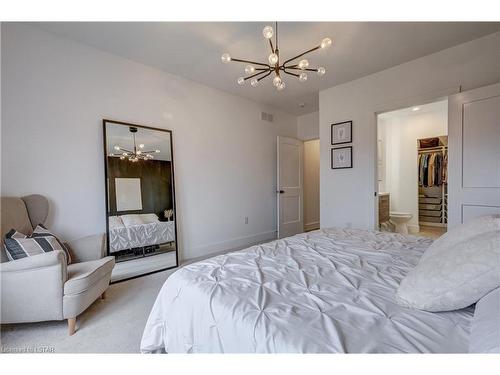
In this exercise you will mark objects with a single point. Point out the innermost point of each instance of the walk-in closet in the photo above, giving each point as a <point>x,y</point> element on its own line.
<point>432,181</point>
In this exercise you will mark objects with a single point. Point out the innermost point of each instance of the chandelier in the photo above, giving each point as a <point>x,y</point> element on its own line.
<point>137,154</point>
<point>257,71</point>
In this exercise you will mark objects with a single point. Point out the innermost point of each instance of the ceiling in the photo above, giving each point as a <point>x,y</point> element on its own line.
<point>193,50</point>
<point>439,106</point>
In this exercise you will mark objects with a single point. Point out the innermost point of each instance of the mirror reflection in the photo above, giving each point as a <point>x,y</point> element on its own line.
<point>140,192</point>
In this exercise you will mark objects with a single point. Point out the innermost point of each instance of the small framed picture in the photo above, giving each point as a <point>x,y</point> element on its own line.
<point>342,157</point>
<point>341,132</point>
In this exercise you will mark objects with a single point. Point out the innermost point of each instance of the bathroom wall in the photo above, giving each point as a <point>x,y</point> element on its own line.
<point>398,132</point>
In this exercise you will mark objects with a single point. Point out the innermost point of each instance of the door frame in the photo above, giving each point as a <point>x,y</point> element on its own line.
<point>394,105</point>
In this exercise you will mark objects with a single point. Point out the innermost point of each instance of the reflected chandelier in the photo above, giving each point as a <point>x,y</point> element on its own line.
<point>262,70</point>
<point>134,155</point>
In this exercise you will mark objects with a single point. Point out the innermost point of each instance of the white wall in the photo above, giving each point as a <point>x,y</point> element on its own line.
<point>55,92</point>
<point>311,184</point>
<point>308,126</point>
<point>347,196</point>
<point>399,132</point>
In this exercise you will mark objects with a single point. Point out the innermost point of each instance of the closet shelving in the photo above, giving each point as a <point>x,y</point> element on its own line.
<point>433,200</point>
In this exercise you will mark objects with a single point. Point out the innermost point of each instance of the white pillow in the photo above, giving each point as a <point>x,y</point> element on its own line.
<point>453,277</point>
<point>132,219</point>
<point>461,232</point>
<point>115,222</point>
<point>149,218</point>
<point>485,327</point>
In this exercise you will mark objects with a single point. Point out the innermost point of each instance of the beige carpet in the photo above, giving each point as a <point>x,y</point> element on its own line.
<point>113,325</point>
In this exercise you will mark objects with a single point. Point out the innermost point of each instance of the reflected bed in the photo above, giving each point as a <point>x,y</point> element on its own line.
<point>133,231</point>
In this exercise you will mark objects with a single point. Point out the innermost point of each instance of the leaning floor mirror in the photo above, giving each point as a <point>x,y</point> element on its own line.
<point>140,199</point>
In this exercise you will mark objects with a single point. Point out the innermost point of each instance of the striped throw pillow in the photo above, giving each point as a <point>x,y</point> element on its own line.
<point>12,234</point>
<point>18,245</point>
<point>42,232</point>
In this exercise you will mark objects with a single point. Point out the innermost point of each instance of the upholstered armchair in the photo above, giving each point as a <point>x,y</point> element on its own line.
<point>43,287</point>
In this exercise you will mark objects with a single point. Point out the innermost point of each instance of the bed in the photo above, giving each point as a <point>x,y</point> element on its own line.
<point>327,291</point>
<point>140,230</point>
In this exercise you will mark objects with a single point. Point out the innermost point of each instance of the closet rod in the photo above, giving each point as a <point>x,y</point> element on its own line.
<point>430,151</point>
<point>432,148</point>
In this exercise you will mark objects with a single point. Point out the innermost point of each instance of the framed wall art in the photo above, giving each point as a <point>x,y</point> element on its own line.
<point>341,133</point>
<point>341,157</point>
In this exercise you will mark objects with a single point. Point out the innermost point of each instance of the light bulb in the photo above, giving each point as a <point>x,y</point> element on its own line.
<point>268,32</point>
<point>273,58</point>
<point>303,64</point>
<point>303,77</point>
<point>117,148</point>
<point>326,42</point>
<point>321,71</point>
<point>226,58</point>
<point>157,151</point>
<point>124,154</point>
<point>281,86</point>
<point>139,152</point>
<point>241,81</point>
<point>276,81</point>
<point>254,82</point>
<point>249,69</point>
<point>122,157</point>
<point>141,145</point>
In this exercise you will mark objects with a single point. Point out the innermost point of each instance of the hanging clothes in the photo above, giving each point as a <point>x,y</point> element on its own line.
<point>432,169</point>
<point>444,169</point>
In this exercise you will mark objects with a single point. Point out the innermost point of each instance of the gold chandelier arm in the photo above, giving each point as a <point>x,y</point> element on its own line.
<point>302,54</point>
<point>290,73</point>
<point>148,152</point>
<point>259,73</point>
<point>265,75</point>
<point>124,149</point>
<point>250,62</point>
<point>296,68</point>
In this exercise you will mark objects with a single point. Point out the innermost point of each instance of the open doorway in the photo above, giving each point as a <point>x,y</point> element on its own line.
<point>412,169</point>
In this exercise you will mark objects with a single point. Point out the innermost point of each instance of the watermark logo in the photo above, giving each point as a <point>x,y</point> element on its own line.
<point>28,349</point>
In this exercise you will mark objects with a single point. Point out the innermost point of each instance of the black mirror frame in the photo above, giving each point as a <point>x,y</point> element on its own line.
<point>105,153</point>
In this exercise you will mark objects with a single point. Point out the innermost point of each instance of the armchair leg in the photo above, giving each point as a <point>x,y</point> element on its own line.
<point>71,326</point>
<point>103,295</point>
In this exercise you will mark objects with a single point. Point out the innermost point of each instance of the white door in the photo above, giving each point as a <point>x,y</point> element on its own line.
<point>474,154</point>
<point>289,187</point>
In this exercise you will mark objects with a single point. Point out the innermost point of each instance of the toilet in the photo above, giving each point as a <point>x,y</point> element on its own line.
<point>400,220</point>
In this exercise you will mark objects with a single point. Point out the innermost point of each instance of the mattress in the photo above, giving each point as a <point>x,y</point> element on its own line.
<point>123,237</point>
<point>327,291</point>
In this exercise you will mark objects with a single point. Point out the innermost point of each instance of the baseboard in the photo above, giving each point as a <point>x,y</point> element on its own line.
<point>413,229</point>
<point>224,246</point>
<point>311,226</point>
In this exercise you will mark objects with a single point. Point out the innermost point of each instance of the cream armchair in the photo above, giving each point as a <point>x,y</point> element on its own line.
<point>43,287</point>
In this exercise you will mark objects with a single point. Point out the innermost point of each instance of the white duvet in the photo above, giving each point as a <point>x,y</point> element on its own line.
<point>325,291</point>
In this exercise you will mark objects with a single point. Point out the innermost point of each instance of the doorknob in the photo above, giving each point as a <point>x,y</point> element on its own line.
<point>281,192</point>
